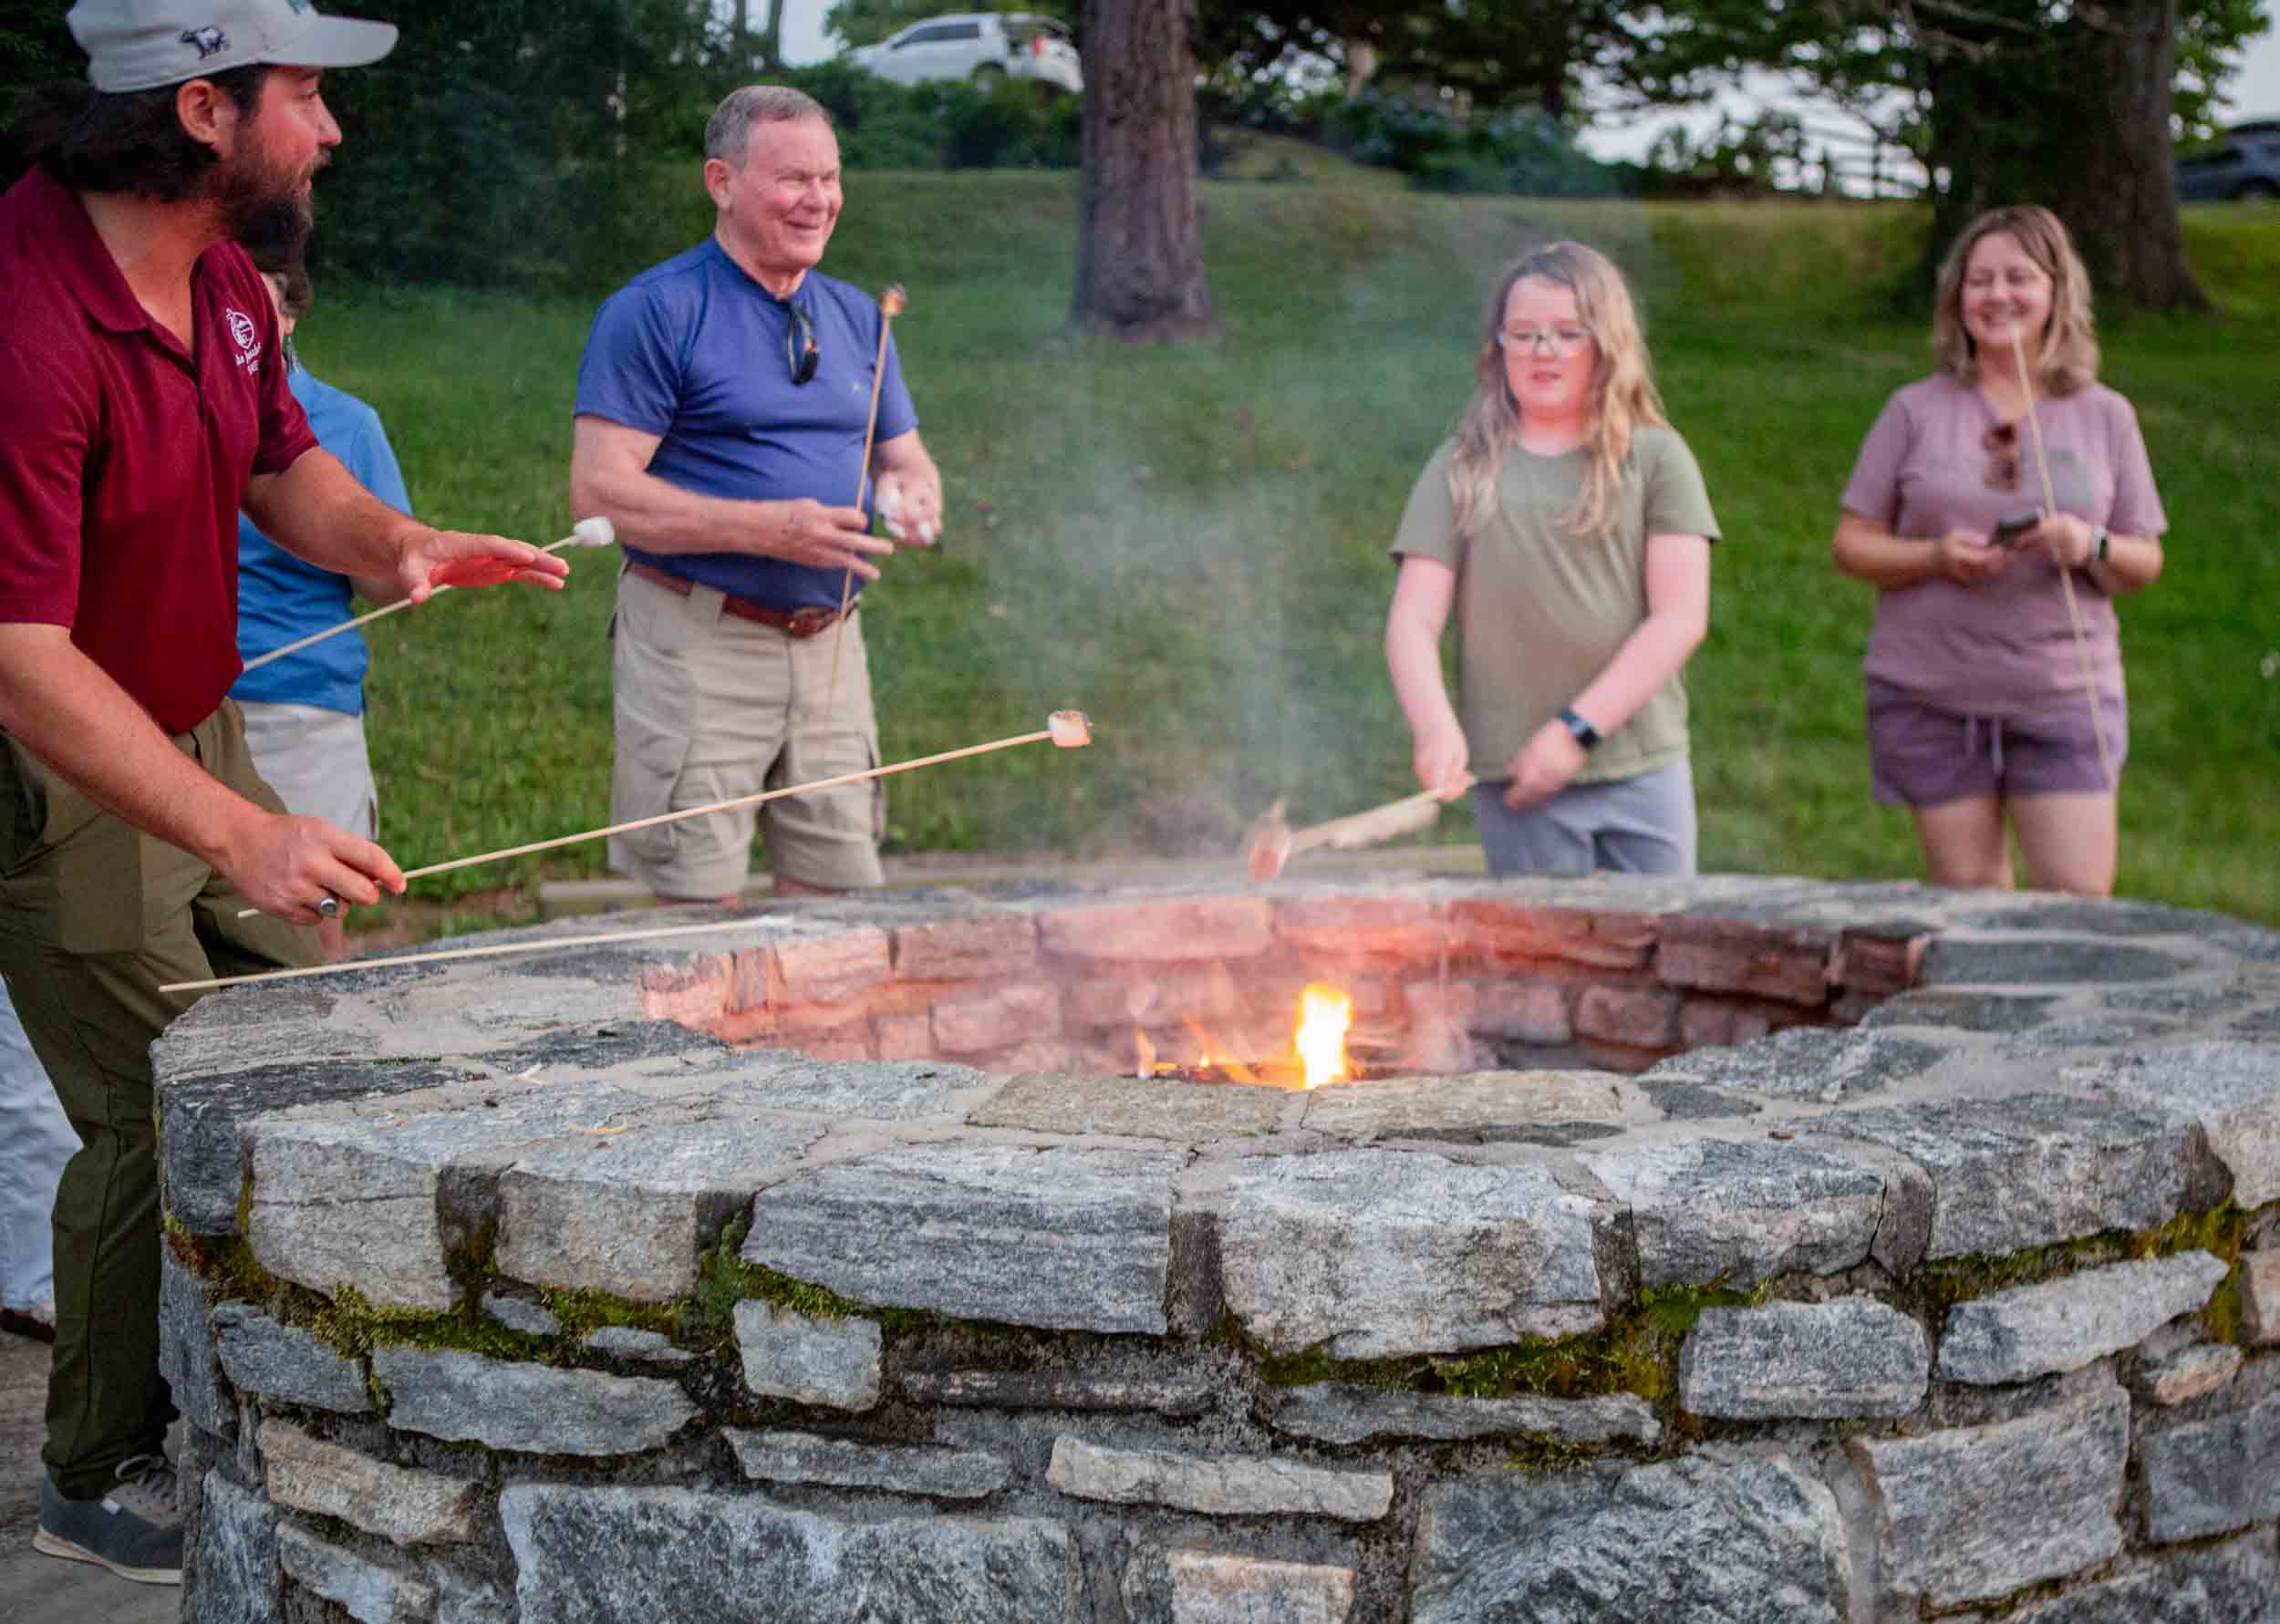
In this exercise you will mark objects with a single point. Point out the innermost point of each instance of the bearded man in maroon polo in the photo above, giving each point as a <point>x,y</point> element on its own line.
<point>143,403</point>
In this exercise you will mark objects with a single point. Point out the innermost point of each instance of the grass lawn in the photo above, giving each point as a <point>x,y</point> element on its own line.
<point>1190,543</point>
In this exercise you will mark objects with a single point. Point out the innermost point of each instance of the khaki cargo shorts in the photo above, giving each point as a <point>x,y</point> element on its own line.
<point>710,706</point>
<point>316,761</point>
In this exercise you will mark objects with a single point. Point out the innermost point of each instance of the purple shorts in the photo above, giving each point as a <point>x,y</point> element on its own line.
<point>1920,755</point>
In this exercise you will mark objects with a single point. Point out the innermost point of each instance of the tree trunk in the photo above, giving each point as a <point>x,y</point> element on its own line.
<point>1139,244</point>
<point>2077,118</point>
<point>772,42</point>
<point>2119,197</point>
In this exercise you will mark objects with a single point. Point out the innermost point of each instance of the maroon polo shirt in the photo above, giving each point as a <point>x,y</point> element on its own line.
<point>124,457</point>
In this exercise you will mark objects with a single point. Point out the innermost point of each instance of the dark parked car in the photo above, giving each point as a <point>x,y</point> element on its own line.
<point>2244,167</point>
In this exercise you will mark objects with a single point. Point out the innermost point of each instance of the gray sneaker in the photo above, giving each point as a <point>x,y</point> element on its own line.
<point>134,1530</point>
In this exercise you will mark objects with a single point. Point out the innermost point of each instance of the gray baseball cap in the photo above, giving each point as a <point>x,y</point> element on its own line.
<point>139,45</point>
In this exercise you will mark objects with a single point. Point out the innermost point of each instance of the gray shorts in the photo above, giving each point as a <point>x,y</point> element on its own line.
<point>1920,755</point>
<point>316,761</point>
<point>708,708</point>
<point>1640,825</point>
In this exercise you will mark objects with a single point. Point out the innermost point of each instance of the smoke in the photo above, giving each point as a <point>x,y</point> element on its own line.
<point>1190,541</point>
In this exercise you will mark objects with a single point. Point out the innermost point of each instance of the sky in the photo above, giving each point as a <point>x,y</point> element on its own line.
<point>2254,92</point>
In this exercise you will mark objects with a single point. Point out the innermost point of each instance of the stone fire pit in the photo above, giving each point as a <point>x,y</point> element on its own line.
<point>1864,1253</point>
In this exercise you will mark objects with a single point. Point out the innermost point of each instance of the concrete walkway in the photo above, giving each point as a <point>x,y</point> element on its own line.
<point>36,1590</point>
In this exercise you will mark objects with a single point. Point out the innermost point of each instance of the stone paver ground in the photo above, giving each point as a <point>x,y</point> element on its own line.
<point>36,1590</point>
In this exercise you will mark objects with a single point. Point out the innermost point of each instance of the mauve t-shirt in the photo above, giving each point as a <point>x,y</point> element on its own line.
<point>2003,647</point>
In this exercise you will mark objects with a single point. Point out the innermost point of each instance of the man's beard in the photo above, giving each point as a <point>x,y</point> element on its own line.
<point>264,209</point>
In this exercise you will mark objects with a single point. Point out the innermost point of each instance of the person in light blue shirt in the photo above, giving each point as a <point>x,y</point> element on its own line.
<point>304,713</point>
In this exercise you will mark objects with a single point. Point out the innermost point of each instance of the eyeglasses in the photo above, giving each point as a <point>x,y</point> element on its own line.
<point>800,353</point>
<point>2002,445</point>
<point>1557,341</point>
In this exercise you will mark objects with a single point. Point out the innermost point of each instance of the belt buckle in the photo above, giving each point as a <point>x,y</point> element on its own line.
<point>807,620</point>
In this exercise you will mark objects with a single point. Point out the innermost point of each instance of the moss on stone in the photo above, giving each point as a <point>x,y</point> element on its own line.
<point>584,1311</point>
<point>1543,1457</point>
<point>725,1280</point>
<point>2220,1231</point>
<point>225,1263</point>
<point>472,1262</point>
<point>352,1325</point>
<point>1636,1351</point>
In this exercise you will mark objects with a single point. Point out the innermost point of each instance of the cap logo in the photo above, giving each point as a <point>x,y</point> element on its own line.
<point>208,40</point>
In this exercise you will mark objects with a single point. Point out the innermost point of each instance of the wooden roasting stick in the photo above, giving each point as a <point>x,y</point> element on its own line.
<point>587,533</point>
<point>2066,580</point>
<point>1273,842</point>
<point>492,951</point>
<point>891,304</point>
<point>1069,729</point>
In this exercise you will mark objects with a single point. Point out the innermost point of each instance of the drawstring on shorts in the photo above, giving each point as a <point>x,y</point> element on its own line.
<point>1994,739</point>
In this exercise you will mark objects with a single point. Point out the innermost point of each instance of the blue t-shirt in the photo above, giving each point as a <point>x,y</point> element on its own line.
<point>693,351</point>
<point>281,598</point>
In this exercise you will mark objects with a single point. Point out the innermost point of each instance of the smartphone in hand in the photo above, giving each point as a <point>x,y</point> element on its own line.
<point>2007,531</point>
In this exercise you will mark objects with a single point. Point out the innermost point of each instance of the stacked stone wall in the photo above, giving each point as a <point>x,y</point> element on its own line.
<point>1437,985</point>
<point>493,1299</point>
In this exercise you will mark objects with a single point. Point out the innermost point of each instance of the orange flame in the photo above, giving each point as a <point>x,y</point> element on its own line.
<point>1205,1059</point>
<point>1324,1013</point>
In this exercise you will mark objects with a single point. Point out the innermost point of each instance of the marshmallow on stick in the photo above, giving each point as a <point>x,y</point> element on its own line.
<point>1068,729</point>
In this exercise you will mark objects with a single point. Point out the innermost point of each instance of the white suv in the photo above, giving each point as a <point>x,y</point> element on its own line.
<point>978,44</point>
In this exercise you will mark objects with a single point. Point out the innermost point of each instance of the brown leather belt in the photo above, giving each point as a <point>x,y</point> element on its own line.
<point>795,622</point>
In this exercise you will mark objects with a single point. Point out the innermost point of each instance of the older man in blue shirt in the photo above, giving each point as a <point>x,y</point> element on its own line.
<point>721,410</point>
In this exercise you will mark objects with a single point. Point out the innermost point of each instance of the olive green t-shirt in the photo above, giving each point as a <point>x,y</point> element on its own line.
<point>1541,612</point>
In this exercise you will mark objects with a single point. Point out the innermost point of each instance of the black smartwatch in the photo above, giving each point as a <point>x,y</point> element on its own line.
<point>1585,734</point>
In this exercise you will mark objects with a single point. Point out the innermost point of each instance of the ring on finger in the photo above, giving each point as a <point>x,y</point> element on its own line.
<point>327,907</point>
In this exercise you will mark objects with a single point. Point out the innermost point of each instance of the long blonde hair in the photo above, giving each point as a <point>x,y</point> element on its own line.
<point>1623,390</point>
<point>2069,359</point>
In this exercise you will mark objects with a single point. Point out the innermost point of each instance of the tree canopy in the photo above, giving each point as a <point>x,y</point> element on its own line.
<point>494,120</point>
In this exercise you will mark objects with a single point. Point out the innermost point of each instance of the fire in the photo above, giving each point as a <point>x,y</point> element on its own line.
<point>1324,1013</point>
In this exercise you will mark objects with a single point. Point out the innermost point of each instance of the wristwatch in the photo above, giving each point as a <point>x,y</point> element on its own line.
<point>1585,734</point>
<point>2098,543</point>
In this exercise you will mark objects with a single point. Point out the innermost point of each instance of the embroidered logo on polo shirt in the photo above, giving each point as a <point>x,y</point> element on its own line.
<point>209,40</point>
<point>247,337</point>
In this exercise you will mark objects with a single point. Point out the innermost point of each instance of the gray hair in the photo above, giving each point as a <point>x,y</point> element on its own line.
<point>728,132</point>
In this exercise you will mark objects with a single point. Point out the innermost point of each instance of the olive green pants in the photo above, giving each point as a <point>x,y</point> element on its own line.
<point>95,917</point>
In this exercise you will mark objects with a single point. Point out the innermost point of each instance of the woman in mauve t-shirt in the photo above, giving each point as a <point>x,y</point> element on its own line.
<point>1977,703</point>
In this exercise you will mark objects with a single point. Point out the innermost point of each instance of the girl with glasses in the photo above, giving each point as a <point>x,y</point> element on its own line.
<point>1977,709</point>
<point>1567,526</point>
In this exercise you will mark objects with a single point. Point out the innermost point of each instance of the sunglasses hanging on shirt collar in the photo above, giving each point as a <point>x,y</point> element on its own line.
<point>799,345</point>
<point>2001,443</point>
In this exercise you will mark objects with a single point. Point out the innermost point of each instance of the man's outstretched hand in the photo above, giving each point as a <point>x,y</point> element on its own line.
<point>433,558</point>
